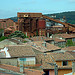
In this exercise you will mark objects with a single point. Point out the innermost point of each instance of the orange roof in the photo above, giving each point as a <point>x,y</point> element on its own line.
<point>62,56</point>
<point>74,31</point>
<point>53,57</point>
<point>40,38</point>
<point>58,26</point>
<point>59,40</point>
<point>8,29</point>
<point>71,48</point>
<point>49,47</point>
<point>66,35</point>
<point>17,69</point>
<point>20,50</point>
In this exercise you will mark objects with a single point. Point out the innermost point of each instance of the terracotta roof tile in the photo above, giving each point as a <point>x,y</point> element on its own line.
<point>20,50</point>
<point>50,58</point>
<point>62,56</point>
<point>17,69</point>
<point>58,26</point>
<point>41,38</point>
<point>59,40</point>
<point>66,35</point>
<point>71,48</point>
<point>49,47</point>
<point>72,53</point>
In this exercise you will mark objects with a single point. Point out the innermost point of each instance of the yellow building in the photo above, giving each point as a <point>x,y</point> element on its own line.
<point>58,63</point>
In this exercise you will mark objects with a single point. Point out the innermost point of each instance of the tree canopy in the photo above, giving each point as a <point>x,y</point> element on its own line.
<point>17,34</point>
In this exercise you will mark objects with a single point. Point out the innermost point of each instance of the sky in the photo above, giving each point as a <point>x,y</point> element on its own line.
<point>9,8</point>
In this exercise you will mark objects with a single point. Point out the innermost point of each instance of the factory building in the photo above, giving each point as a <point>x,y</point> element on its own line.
<point>31,24</point>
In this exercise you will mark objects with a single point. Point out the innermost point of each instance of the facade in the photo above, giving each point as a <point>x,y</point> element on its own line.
<point>18,55</point>
<point>59,42</point>
<point>42,38</point>
<point>6,23</point>
<point>59,63</point>
<point>29,23</point>
<point>9,26</point>
<point>65,37</point>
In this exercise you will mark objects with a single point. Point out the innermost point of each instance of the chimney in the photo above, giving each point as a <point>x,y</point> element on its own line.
<point>73,68</point>
<point>44,44</point>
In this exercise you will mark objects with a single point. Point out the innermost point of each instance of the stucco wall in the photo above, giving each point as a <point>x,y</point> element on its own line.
<point>9,61</point>
<point>64,71</point>
<point>16,62</point>
<point>51,72</point>
<point>27,61</point>
<point>59,63</point>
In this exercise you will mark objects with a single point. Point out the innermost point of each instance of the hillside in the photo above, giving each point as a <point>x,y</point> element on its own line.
<point>15,19</point>
<point>70,16</point>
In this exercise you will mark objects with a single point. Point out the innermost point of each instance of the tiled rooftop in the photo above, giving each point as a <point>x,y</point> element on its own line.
<point>71,48</point>
<point>62,56</point>
<point>40,38</point>
<point>20,50</point>
<point>59,40</point>
<point>17,69</point>
<point>51,58</point>
<point>58,26</point>
<point>66,35</point>
<point>49,47</point>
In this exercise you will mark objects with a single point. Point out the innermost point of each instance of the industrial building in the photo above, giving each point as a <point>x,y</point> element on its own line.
<point>33,24</point>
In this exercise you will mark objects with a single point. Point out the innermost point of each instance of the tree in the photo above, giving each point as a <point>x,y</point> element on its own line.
<point>69,42</point>
<point>3,37</point>
<point>17,34</point>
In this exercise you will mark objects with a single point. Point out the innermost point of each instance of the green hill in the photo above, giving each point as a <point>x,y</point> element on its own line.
<point>70,16</point>
<point>15,19</point>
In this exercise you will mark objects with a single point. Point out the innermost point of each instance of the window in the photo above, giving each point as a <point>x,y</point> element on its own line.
<point>65,63</point>
<point>73,39</point>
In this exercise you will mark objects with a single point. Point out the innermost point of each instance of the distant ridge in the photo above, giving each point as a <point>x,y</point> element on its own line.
<point>70,16</point>
<point>15,19</point>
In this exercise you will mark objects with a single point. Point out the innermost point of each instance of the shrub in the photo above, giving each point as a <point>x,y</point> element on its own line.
<point>17,34</point>
<point>3,37</point>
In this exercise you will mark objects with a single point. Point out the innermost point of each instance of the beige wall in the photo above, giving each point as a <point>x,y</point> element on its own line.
<point>9,61</point>
<point>16,62</point>
<point>51,72</point>
<point>64,71</point>
<point>59,63</point>
<point>73,73</point>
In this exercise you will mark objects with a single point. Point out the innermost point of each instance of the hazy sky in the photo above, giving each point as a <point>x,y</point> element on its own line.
<point>9,8</point>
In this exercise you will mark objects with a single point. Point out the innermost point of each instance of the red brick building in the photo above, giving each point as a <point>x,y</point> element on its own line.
<point>8,26</point>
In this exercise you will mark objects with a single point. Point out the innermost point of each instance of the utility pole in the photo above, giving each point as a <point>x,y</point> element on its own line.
<point>55,67</point>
